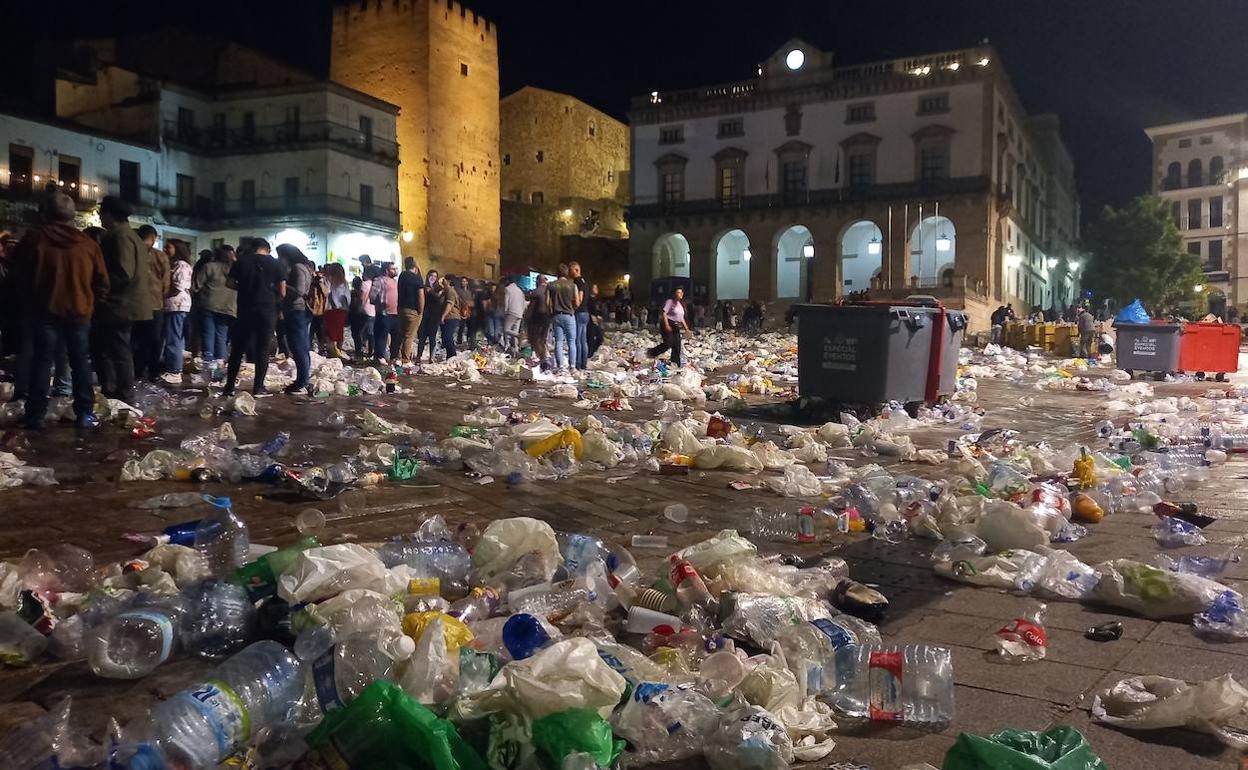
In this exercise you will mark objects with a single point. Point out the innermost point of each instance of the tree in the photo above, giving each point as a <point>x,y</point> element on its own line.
<point>1136,252</point>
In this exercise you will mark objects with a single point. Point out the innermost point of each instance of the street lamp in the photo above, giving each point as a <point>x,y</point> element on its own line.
<point>808,251</point>
<point>1051,262</point>
<point>1198,288</point>
<point>746,255</point>
<point>408,235</point>
<point>874,248</point>
<point>1075,265</point>
<point>943,243</point>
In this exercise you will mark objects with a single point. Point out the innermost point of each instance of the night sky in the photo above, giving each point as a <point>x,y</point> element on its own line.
<point>1108,68</point>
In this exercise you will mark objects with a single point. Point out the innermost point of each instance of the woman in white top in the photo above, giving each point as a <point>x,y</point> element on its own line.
<point>177,308</point>
<point>337,303</point>
<point>671,322</point>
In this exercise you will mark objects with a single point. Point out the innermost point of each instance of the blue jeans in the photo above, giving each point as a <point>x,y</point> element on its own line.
<point>299,345</point>
<point>385,327</point>
<point>175,340</point>
<point>494,327</point>
<point>48,335</point>
<point>215,334</point>
<point>565,329</point>
<point>581,356</point>
<point>449,327</point>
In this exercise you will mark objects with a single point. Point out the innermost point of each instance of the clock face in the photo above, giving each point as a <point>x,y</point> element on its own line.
<point>795,59</point>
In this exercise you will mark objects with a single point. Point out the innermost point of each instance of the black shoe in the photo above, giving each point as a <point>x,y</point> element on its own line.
<point>260,392</point>
<point>294,388</point>
<point>227,393</point>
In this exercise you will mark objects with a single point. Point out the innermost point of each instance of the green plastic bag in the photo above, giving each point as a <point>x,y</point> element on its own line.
<point>577,731</point>
<point>384,727</point>
<point>1058,748</point>
<point>403,468</point>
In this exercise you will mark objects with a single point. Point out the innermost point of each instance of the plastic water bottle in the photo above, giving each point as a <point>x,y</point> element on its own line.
<point>910,684</point>
<point>222,538</point>
<point>479,604</point>
<point>800,526</point>
<point>524,635</point>
<point>131,644</point>
<point>1024,639</point>
<point>202,725</point>
<point>342,669</point>
<point>449,562</point>
<point>550,600</point>
<point>219,619</point>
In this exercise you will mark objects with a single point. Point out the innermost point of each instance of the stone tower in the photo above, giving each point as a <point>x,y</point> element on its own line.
<point>438,61</point>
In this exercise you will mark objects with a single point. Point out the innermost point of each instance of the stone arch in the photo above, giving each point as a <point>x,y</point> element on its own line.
<point>732,265</point>
<point>670,256</point>
<point>933,242</point>
<point>862,254</point>
<point>794,248</point>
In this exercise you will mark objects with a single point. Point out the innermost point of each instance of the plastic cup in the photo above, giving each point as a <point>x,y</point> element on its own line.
<point>310,521</point>
<point>676,512</point>
<point>644,621</point>
<point>720,674</point>
<point>649,541</point>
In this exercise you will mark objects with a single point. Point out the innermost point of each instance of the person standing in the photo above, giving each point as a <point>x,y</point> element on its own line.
<point>129,299</point>
<point>218,304</point>
<point>597,311</point>
<point>452,317</point>
<point>316,300</point>
<point>385,296</point>
<point>581,360</point>
<point>539,320</point>
<point>58,275</point>
<point>513,306</point>
<point>463,300</point>
<point>434,310</point>
<point>565,298</point>
<point>176,308</point>
<point>368,313</point>
<point>337,303</point>
<point>296,316</point>
<point>1087,333</point>
<point>261,285</point>
<point>671,323</point>
<point>411,305</point>
<point>147,337</point>
<point>495,330</point>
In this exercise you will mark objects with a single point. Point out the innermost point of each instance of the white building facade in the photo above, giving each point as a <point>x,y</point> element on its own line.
<point>816,181</point>
<point>313,164</point>
<point>1201,168</point>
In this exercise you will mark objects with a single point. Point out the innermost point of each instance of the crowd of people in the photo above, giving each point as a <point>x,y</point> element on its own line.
<point>105,307</point>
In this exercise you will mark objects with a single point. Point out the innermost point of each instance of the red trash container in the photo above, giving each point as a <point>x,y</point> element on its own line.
<point>1210,348</point>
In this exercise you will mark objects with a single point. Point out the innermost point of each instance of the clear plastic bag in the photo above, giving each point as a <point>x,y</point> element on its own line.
<point>750,739</point>
<point>1156,702</point>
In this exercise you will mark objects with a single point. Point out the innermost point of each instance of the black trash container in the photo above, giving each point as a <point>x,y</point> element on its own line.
<point>1148,347</point>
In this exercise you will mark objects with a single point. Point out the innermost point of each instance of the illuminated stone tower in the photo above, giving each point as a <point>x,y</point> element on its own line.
<point>438,61</point>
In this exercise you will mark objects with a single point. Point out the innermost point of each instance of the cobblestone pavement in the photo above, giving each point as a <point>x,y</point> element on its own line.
<point>91,508</point>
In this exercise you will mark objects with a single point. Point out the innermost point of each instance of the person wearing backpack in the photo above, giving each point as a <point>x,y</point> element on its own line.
<point>318,301</point>
<point>384,296</point>
<point>296,318</point>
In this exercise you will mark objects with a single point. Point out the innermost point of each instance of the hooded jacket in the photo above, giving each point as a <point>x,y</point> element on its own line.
<point>129,275</point>
<point>59,273</point>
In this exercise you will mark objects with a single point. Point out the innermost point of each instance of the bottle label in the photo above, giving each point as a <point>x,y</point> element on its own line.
<point>884,675</point>
<point>324,682</point>
<point>682,571</point>
<point>580,551</point>
<point>224,712</point>
<point>163,623</point>
<point>806,525</point>
<point>839,636</point>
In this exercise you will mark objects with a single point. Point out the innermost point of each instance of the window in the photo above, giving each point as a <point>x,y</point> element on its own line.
<point>1195,177</point>
<point>463,69</point>
<point>729,185</point>
<point>1215,169</point>
<point>793,119</point>
<point>671,134</point>
<point>1215,211</point>
<point>291,125</point>
<point>21,168</point>
<point>366,132</point>
<point>128,181</point>
<point>1193,214</point>
<point>931,157</point>
<point>537,198</point>
<point>506,159</point>
<point>185,192</point>
<point>1213,263</point>
<point>249,126</point>
<point>68,174</point>
<point>217,243</point>
<point>793,178</point>
<point>861,169</point>
<point>930,104</point>
<point>291,192</point>
<point>731,127</point>
<point>218,197</point>
<point>366,201</point>
<point>541,156</point>
<point>610,176</point>
<point>592,128</point>
<point>674,186</point>
<point>247,200</point>
<point>1174,176</point>
<point>1175,211</point>
<point>517,196</point>
<point>860,113</point>
<point>1206,140</point>
<point>933,163</point>
<point>1193,247</point>
<point>1185,143</point>
<point>217,137</point>
<point>186,124</point>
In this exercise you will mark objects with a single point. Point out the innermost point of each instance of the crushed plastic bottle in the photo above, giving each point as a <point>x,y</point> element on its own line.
<point>1024,639</point>
<point>222,538</point>
<point>908,685</point>
<point>131,644</point>
<point>1173,533</point>
<point>219,619</point>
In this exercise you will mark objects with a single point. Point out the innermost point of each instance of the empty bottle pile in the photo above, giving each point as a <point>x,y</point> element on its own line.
<point>511,645</point>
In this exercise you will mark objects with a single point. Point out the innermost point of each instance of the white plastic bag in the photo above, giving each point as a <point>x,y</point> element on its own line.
<point>321,573</point>
<point>1153,592</point>
<point>566,675</point>
<point>798,481</point>
<point>1065,577</point>
<point>1004,525</point>
<point>750,739</point>
<point>771,685</point>
<point>1012,570</point>
<point>431,674</point>
<point>727,457</point>
<point>597,448</point>
<point>506,540</point>
<point>834,434</point>
<point>810,727</point>
<point>726,547</point>
<point>1156,702</point>
<point>185,565</point>
<point>679,439</point>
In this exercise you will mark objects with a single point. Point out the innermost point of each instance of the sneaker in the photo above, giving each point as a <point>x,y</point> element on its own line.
<point>171,378</point>
<point>294,388</point>
<point>261,393</point>
<point>86,421</point>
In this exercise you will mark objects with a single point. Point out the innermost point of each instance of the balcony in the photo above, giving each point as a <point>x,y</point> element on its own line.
<point>885,192</point>
<point>206,211</point>
<point>85,197</point>
<point>279,138</point>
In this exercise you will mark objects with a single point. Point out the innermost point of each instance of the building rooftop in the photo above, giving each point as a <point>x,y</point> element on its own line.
<point>1196,125</point>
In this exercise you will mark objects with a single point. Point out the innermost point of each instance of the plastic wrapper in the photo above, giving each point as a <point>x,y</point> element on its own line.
<point>48,741</point>
<point>597,448</point>
<point>1065,577</point>
<point>568,674</point>
<point>725,547</point>
<point>770,684</point>
<point>457,633</point>
<point>184,565</point>
<point>1004,526</point>
<point>1058,748</point>
<point>576,732</point>
<point>506,540</point>
<point>1226,619</point>
<point>758,618</point>
<point>1012,570</point>
<point>431,674</point>
<point>1174,533</point>
<point>811,728</point>
<point>1154,592</point>
<point>665,723</point>
<point>1156,702</point>
<point>372,425</point>
<point>750,739</point>
<point>320,573</point>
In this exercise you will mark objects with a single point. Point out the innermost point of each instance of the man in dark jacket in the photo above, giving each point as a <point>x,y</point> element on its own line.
<point>129,299</point>
<point>59,275</point>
